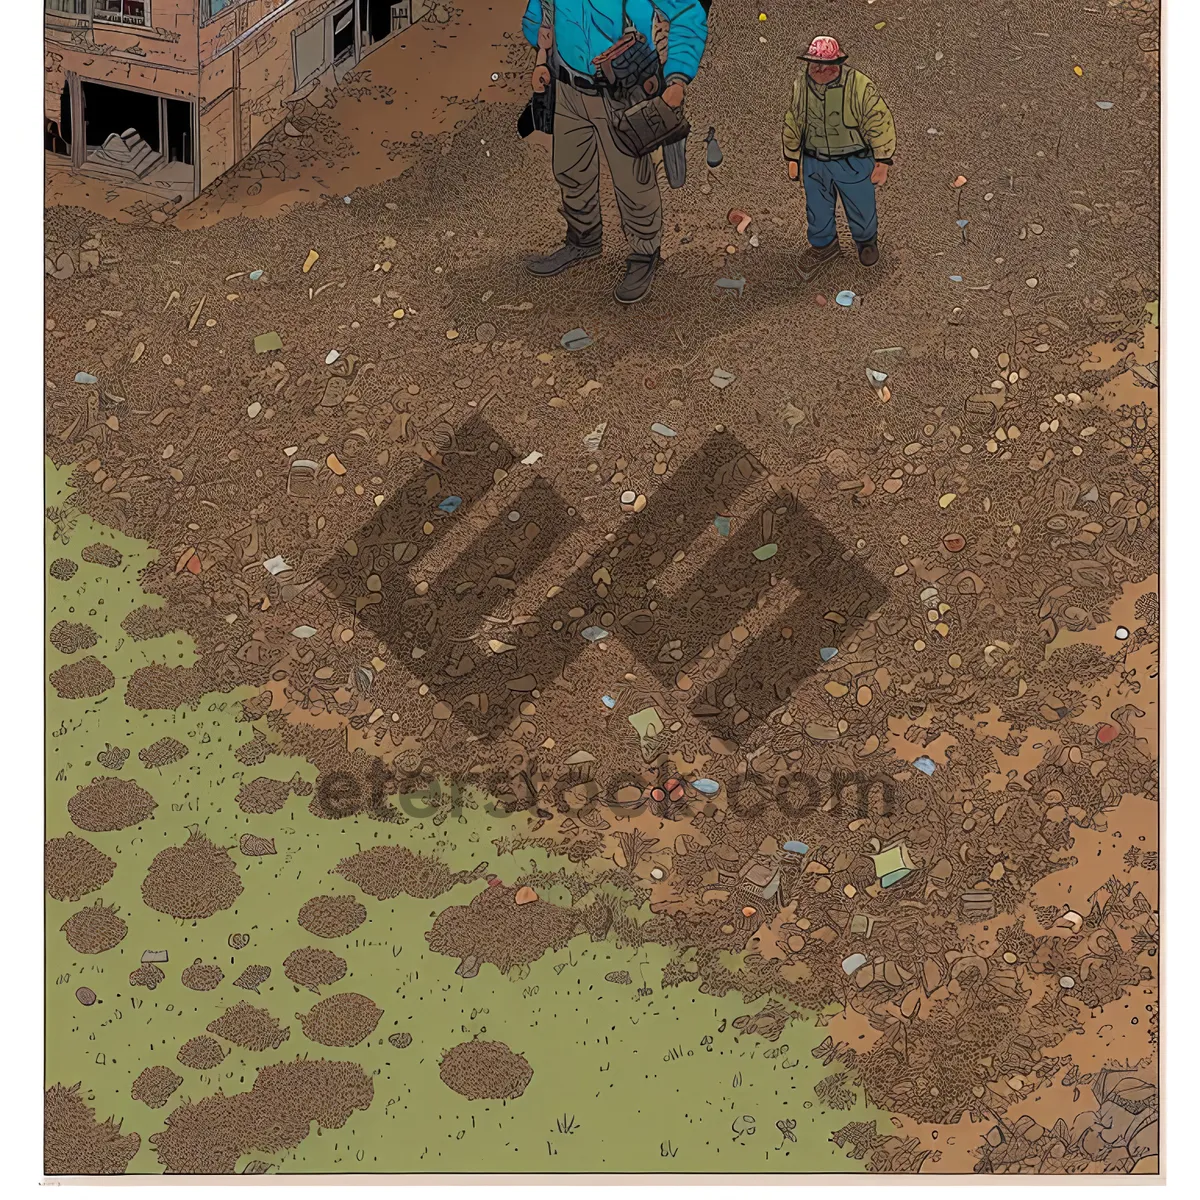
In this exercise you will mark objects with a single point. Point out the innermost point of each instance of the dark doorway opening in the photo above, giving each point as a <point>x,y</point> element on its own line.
<point>343,33</point>
<point>179,131</point>
<point>376,19</point>
<point>110,110</point>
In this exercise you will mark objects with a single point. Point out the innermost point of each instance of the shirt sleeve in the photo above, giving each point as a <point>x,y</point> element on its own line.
<point>532,21</point>
<point>876,124</point>
<point>793,135</point>
<point>687,37</point>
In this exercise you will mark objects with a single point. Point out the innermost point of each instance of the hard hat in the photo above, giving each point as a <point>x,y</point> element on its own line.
<point>824,50</point>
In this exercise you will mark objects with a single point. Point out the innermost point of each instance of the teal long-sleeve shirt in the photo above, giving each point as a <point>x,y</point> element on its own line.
<point>584,29</point>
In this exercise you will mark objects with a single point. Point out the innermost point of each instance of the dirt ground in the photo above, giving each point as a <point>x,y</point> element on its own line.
<point>885,600</point>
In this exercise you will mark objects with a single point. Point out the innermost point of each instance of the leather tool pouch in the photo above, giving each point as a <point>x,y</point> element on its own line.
<point>630,78</point>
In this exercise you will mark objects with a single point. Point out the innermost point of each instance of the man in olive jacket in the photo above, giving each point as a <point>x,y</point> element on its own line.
<point>840,133</point>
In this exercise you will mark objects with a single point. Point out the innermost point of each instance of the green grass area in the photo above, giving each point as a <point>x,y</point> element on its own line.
<point>626,1077</point>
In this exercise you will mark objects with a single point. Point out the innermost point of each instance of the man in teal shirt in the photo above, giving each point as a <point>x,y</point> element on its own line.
<point>569,34</point>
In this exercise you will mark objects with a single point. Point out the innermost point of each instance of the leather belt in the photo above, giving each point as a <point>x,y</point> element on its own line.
<point>581,83</point>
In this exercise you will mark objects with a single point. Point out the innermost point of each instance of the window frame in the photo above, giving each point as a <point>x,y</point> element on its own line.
<point>207,14</point>
<point>121,21</point>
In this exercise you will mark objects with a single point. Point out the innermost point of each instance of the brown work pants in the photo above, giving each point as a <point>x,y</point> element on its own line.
<point>580,129</point>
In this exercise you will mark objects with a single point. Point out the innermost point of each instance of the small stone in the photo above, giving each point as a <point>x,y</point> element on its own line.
<point>663,430</point>
<point>706,787</point>
<point>575,339</point>
<point>525,895</point>
<point>767,551</point>
<point>925,765</point>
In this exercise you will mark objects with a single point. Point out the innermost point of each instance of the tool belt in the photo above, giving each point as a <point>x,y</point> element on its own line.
<point>629,76</point>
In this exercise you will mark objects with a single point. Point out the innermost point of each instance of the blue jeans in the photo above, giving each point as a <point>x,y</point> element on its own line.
<point>849,178</point>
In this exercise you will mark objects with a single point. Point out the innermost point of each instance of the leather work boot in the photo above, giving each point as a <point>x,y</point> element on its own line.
<point>868,252</point>
<point>639,275</point>
<point>814,260</point>
<point>562,259</point>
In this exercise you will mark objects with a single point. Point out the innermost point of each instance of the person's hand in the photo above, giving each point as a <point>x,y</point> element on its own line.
<point>541,78</point>
<point>879,175</point>
<point>793,169</point>
<point>674,94</point>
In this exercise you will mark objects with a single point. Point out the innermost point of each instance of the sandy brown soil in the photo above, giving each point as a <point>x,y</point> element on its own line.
<point>249,1027</point>
<point>155,1086</point>
<point>313,968</point>
<point>94,929</point>
<point>74,867</point>
<point>389,871</point>
<point>958,475</point>
<point>342,1020</point>
<point>108,804</point>
<point>201,1053</point>
<point>192,881</point>
<point>201,976</point>
<point>485,1071</point>
<point>331,916</point>
<point>209,1136</point>
<point>77,1143</point>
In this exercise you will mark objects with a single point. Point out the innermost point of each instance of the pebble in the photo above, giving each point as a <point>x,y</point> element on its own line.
<point>954,542</point>
<point>845,299</point>
<point>828,652</point>
<point>1066,981</point>
<point>257,275</point>
<point>796,847</point>
<point>84,377</point>
<point>575,339</point>
<point>594,633</point>
<point>925,765</point>
<point>721,378</point>
<point>1122,633</point>
<point>450,504</point>
<point>608,702</point>
<point>663,430</point>
<point>767,551</point>
<point>303,631</point>
<point>853,963</point>
<point>706,787</point>
<point>722,525</point>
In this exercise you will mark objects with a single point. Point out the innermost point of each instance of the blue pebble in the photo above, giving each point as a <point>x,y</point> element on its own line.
<point>256,275</point>
<point>925,765</point>
<point>608,702</point>
<point>706,787</point>
<point>450,504</point>
<point>722,524</point>
<point>828,652</point>
<point>84,377</point>
<point>796,847</point>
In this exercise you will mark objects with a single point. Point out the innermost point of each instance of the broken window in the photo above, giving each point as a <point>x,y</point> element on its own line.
<point>121,128</point>
<point>343,33</point>
<point>122,12</point>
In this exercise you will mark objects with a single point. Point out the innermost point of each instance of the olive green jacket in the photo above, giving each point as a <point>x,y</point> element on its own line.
<point>852,117</point>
